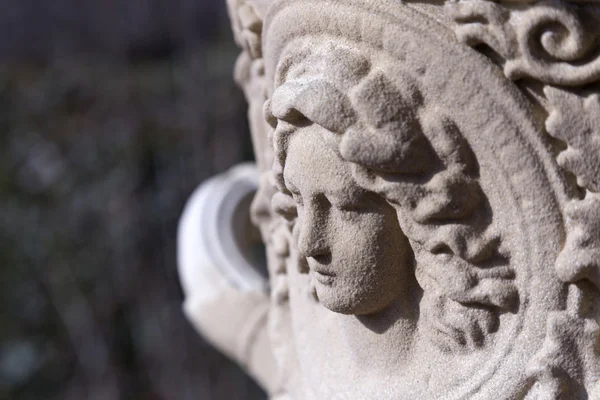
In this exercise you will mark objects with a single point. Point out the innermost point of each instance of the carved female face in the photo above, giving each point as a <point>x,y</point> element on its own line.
<point>357,254</point>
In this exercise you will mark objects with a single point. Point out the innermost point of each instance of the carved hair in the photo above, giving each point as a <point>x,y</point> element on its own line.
<point>415,157</point>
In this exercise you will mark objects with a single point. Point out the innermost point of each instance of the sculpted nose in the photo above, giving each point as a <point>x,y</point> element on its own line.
<point>312,240</point>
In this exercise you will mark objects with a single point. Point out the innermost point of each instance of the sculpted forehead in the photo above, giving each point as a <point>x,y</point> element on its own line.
<point>312,167</point>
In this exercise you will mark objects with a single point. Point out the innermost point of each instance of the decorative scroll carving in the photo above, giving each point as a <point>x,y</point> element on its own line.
<point>580,258</point>
<point>247,24</point>
<point>568,366</point>
<point>575,119</point>
<point>557,44</point>
<point>551,41</point>
<point>247,27</point>
<point>410,194</point>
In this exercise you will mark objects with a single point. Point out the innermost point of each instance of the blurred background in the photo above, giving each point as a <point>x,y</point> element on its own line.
<point>111,113</point>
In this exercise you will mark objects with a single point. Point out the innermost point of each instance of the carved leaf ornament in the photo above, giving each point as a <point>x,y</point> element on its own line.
<point>557,44</point>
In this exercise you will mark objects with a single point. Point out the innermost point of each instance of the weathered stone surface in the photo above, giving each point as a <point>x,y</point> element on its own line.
<point>429,197</point>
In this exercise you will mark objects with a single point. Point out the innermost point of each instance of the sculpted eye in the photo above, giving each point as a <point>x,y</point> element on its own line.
<point>359,203</point>
<point>285,206</point>
<point>350,207</point>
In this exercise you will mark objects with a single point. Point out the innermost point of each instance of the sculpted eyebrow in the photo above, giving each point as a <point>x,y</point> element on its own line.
<point>316,100</point>
<point>354,194</point>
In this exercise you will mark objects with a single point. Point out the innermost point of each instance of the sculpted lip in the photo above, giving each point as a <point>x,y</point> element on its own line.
<point>323,278</point>
<point>318,268</point>
<point>322,275</point>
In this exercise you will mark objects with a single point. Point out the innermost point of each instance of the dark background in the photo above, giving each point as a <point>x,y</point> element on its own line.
<point>111,113</point>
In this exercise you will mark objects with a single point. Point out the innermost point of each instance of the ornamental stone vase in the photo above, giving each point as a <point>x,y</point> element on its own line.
<point>427,186</point>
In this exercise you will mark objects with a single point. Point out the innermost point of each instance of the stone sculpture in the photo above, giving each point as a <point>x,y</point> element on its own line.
<point>429,197</point>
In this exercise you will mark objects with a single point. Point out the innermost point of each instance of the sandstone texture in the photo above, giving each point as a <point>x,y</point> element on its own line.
<point>429,198</point>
